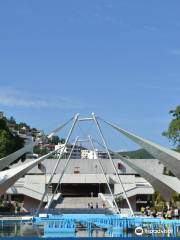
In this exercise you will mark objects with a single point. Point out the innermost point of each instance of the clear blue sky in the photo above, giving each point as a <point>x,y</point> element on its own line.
<point>119,59</point>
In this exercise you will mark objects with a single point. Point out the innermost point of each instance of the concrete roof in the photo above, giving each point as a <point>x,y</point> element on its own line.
<point>170,158</point>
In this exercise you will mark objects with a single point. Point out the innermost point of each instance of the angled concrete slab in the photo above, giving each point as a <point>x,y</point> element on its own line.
<point>9,177</point>
<point>159,182</point>
<point>6,161</point>
<point>169,158</point>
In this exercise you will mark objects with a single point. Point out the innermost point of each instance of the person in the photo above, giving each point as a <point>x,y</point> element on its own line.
<point>91,205</point>
<point>164,212</point>
<point>179,213</point>
<point>142,210</point>
<point>176,213</point>
<point>96,205</point>
<point>145,211</point>
<point>169,214</point>
<point>104,205</point>
<point>88,205</point>
<point>154,213</point>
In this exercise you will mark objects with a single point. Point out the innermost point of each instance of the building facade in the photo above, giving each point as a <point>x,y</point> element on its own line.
<point>76,154</point>
<point>81,178</point>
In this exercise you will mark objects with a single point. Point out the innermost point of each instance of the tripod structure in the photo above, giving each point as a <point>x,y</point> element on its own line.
<point>164,184</point>
<point>77,119</point>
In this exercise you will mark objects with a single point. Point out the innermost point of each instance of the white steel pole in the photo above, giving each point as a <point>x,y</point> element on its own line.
<point>109,155</point>
<point>101,167</point>
<point>56,166</point>
<point>63,171</point>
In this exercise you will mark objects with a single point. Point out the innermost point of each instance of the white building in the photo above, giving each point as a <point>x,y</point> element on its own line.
<point>90,154</point>
<point>76,154</point>
<point>80,179</point>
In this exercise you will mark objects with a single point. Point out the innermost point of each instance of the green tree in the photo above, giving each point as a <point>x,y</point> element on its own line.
<point>54,140</point>
<point>9,142</point>
<point>22,124</point>
<point>119,200</point>
<point>173,131</point>
<point>158,198</point>
<point>40,151</point>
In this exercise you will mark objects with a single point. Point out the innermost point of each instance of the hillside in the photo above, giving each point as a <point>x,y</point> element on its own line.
<point>140,154</point>
<point>9,142</point>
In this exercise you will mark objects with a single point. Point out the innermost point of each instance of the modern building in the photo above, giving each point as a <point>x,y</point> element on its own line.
<point>76,154</point>
<point>91,154</point>
<point>90,173</point>
<point>88,154</point>
<point>82,177</point>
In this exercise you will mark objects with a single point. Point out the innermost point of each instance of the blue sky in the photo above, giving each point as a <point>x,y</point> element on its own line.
<point>119,59</point>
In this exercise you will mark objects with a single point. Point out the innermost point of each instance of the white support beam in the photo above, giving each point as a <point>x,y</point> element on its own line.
<point>170,158</point>
<point>75,119</point>
<point>102,169</point>
<point>166,185</point>
<point>6,161</point>
<point>9,177</point>
<point>62,174</point>
<point>114,167</point>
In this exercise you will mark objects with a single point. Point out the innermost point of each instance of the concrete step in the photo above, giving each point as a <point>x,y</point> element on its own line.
<point>80,211</point>
<point>79,202</point>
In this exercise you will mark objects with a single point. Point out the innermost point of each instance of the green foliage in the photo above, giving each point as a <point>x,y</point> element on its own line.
<point>119,200</point>
<point>55,140</point>
<point>6,207</point>
<point>173,131</point>
<point>158,198</point>
<point>9,143</point>
<point>160,201</point>
<point>3,124</point>
<point>137,154</point>
<point>22,124</point>
<point>40,151</point>
<point>176,197</point>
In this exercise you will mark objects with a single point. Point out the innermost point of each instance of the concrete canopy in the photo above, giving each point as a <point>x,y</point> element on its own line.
<point>159,182</point>
<point>6,161</point>
<point>166,185</point>
<point>169,158</point>
<point>9,177</point>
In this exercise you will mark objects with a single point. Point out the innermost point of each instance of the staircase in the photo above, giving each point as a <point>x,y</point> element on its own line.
<point>78,202</point>
<point>79,205</point>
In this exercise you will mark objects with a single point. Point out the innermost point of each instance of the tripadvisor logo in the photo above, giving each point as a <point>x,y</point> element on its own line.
<point>140,231</point>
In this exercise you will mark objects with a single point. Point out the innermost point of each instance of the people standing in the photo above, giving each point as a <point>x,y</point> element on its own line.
<point>169,214</point>
<point>91,205</point>
<point>154,213</point>
<point>176,213</point>
<point>142,210</point>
